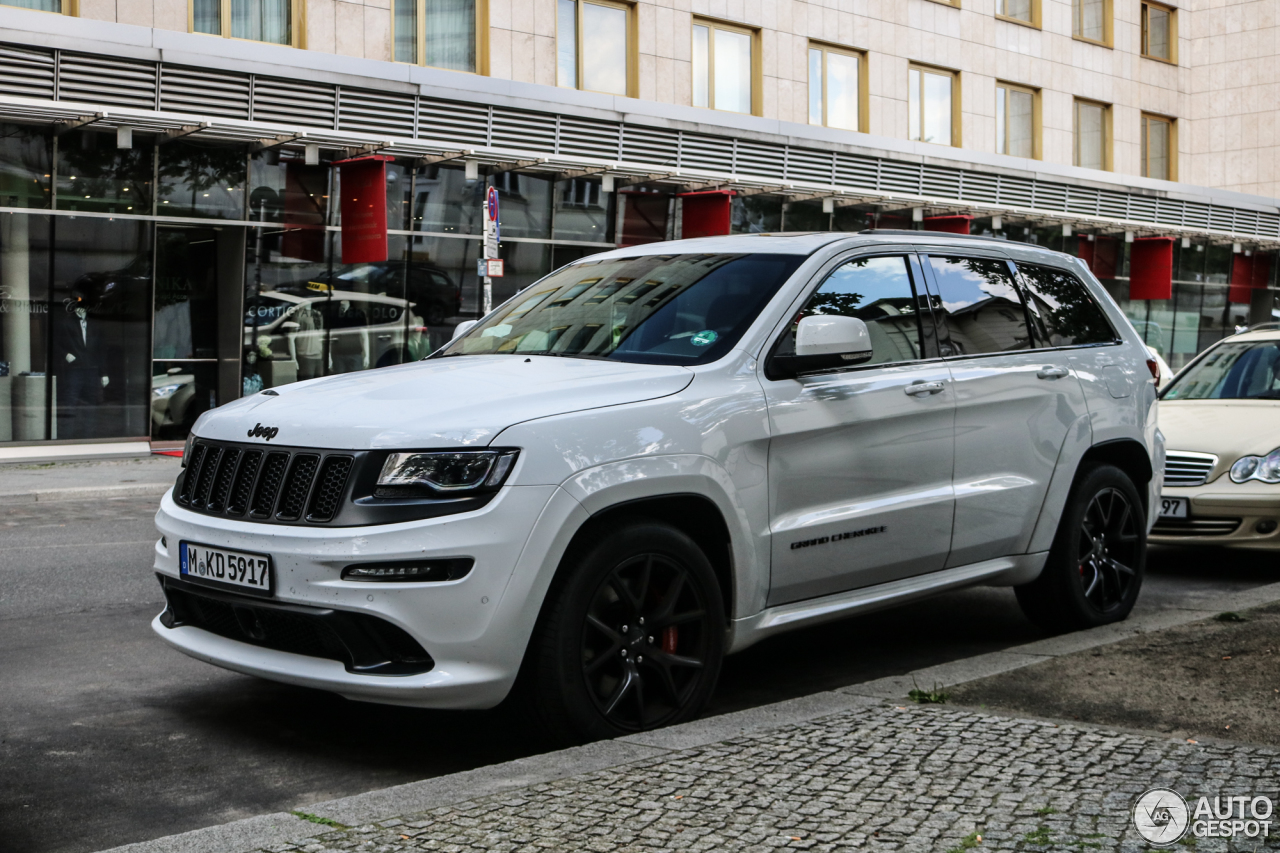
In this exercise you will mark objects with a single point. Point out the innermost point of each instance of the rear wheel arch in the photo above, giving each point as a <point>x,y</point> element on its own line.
<point>1129,456</point>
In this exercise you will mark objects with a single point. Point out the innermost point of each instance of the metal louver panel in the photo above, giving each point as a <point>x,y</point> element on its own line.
<point>899,177</point>
<point>759,160</point>
<point>1049,196</point>
<point>293,102</point>
<point>1141,208</point>
<point>981,188</point>
<point>1082,200</point>
<point>1016,192</point>
<point>523,131</point>
<point>584,138</point>
<point>650,145</point>
<point>466,124</point>
<point>113,82</point>
<point>857,172</point>
<point>26,73</point>
<point>943,183</point>
<point>706,152</point>
<point>204,92</point>
<point>375,112</point>
<point>1112,204</point>
<point>806,165</point>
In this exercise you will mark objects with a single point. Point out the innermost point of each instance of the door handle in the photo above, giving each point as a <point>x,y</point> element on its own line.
<point>922,389</point>
<point>1051,372</point>
<point>384,337</point>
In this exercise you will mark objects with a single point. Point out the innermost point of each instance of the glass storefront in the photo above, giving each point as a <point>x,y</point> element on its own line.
<point>141,286</point>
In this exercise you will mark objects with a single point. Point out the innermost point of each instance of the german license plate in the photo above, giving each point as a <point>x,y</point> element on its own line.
<point>1173,507</point>
<point>224,567</point>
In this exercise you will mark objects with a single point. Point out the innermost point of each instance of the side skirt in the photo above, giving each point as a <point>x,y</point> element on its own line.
<point>1004,571</point>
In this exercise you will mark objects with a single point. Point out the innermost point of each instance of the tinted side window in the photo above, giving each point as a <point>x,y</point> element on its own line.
<point>877,291</point>
<point>1063,313</point>
<point>977,306</point>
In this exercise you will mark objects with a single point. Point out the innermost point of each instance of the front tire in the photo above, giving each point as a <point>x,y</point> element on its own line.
<point>1095,567</point>
<point>631,637</point>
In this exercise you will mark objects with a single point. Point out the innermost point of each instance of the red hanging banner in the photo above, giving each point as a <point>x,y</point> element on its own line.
<point>958,224</point>
<point>1099,254</point>
<point>1240,292</point>
<point>1151,268</point>
<point>644,217</point>
<point>363,184</point>
<point>705,214</point>
<point>305,188</point>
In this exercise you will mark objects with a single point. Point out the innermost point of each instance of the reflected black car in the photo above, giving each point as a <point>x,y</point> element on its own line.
<point>435,296</point>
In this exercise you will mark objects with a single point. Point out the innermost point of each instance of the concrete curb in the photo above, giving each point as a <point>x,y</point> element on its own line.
<point>87,493</point>
<point>268,830</point>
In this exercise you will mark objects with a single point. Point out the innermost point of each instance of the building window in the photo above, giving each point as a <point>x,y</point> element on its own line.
<point>1019,11</point>
<point>1159,32</point>
<point>439,33</point>
<point>1159,151</point>
<point>931,106</point>
<point>1093,137</point>
<point>1017,127</point>
<point>57,6</point>
<point>724,67</point>
<point>593,46</point>
<point>256,20</point>
<point>835,91</point>
<point>1091,20</point>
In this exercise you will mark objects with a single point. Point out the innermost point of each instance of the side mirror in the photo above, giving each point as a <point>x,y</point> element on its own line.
<point>462,328</point>
<point>825,342</point>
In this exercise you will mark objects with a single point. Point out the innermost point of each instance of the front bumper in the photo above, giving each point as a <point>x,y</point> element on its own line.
<point>474,629</point>
<point>1224,513</point>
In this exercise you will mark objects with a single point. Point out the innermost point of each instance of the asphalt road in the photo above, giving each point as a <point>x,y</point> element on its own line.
<point>107,736</point>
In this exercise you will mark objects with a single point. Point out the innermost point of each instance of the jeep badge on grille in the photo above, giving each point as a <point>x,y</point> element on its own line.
<point>259,431</point>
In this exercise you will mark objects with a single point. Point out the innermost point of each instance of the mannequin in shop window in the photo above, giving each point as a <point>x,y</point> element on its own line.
<point>307,341</point>
<point>349,347</point>
<point>80,352</point>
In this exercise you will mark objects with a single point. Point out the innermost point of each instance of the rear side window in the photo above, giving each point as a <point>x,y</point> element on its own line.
<point>1063,312</point>
<point>877,291</point>
<point>977,306</point>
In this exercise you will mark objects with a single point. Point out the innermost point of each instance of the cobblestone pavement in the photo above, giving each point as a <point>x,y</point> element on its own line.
<point>882,778</point>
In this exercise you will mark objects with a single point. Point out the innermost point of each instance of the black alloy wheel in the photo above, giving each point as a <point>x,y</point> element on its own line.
<point>644,642</point>
<point>1094,569</point>
<point>630,638</point>
<point>1108,549</point>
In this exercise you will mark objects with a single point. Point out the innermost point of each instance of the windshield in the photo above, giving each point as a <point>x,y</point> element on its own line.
<point>1232,371</point>
<point>655,309</point>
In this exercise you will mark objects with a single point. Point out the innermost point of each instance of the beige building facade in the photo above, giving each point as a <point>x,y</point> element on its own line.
<point>1222,90</point>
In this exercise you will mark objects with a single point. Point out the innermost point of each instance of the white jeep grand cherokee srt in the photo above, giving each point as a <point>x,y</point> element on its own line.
<point>662,454</point>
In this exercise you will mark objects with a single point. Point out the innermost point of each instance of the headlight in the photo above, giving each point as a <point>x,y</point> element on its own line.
<point>455,471</point>
<point>1264,468</point>
<point>165,391</point>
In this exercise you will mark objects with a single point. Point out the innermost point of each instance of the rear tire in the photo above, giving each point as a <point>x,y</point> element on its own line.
<point>631,636</point>
<point>1095,567</point>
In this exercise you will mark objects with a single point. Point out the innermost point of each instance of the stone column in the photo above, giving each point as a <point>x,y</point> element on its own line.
<point>15,308</point>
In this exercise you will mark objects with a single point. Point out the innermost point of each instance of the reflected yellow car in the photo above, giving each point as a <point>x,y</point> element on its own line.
<point>1221,420</point>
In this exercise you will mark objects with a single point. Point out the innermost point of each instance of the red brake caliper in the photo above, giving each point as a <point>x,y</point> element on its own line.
<point>670,636</point>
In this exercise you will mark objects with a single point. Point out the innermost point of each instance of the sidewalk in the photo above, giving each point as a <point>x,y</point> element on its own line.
<point>88,480</point>
<point>858,768</point>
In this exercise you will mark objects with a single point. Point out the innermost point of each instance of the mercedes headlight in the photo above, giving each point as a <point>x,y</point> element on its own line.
<point>166,391</point>
<point>449,471</point>
<point>1264,468</point>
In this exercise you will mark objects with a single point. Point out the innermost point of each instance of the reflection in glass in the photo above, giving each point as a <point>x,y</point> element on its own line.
<point>877,291</point>
<point>815,86</point>
<point>24,326</point>
<point>1020,9</point>
<point>1156,34</point>
<point>683,309</point>
<point>1014,122</point>
<point>261,20</point>
<point>930,106</point>
<point>406,29</point>
<point>842,91</point>
<point>450,34</point>
<point>733,71</point>
<point>567,43</point>
<point>978,307</point>
<point>1088,19</point>
<point>1090,142</point>
<point>1155,148</point>
<point>101,314</point>
<point>206,16</point>
<point>582,210</point>
<point>604,49</point>
<point>701,65</point>
<point>95,175</point>
<point>525,204</point>
<point>180,393</point>
<point>202,179</point>
<point>41,5</point>
<point>24,166</point>
<point>1234,371</point>
<point>755,214</point>
<point>1062,312</point>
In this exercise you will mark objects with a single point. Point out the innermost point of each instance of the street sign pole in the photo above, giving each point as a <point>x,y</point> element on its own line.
<point>492,234</point>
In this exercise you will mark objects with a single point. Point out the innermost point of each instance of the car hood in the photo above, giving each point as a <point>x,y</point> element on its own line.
<point>1227,428</point>
<point>444,402</point>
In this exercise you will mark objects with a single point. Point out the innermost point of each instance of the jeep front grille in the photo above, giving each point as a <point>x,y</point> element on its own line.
<point>289,486</point>
<point>1183,468</point>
